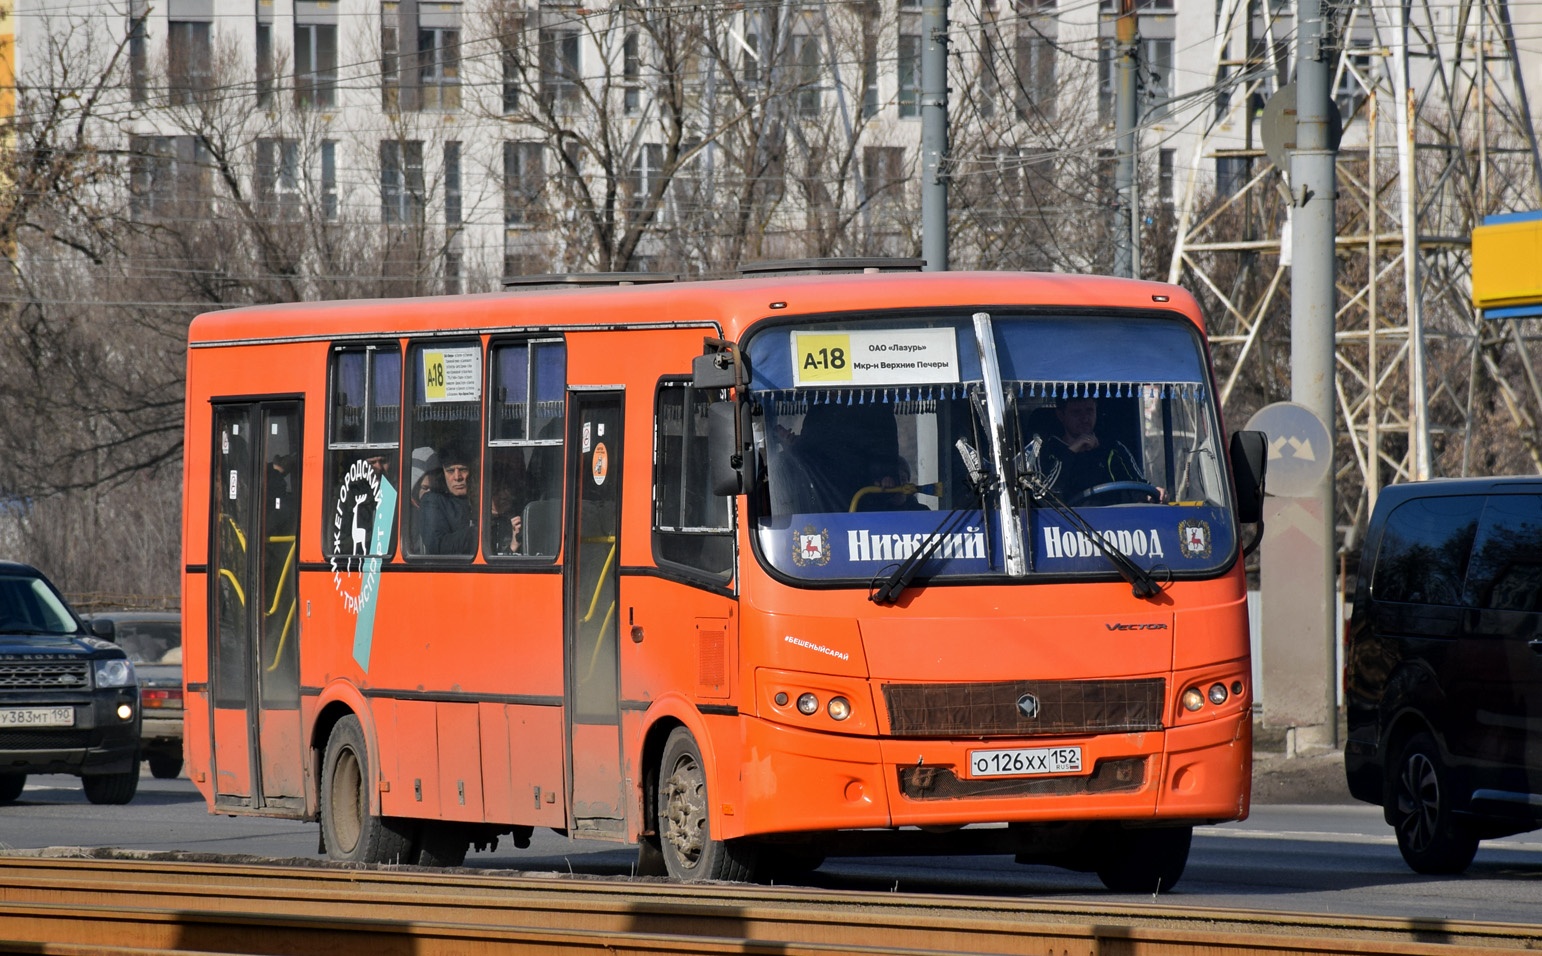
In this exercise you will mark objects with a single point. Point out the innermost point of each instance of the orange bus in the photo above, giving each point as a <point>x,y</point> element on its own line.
<point>829,559</point>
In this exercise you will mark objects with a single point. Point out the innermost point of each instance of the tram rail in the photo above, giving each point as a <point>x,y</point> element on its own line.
<point>118,907</point>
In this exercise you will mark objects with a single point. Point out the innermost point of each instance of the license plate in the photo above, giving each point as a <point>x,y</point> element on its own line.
<point>37,716</point>
<point>1013,763</point>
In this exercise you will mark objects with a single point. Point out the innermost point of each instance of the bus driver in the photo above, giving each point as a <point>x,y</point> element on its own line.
<point>1085,461</point>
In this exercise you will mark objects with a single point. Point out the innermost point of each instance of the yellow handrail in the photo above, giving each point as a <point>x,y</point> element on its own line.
<point>235,583</point>
<point>935,489</point>
<point>283,574</point>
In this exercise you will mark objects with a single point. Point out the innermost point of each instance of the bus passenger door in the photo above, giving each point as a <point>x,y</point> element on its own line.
<point>254,624</point>
<point>590,613</point>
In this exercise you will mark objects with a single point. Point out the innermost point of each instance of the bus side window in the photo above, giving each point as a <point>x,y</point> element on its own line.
<point>528,382</point>
<point>363,448</point>
<point>692,528</point>
<point>444,433</point>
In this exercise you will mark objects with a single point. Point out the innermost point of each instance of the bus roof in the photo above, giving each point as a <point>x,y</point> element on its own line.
<point>731,304</point>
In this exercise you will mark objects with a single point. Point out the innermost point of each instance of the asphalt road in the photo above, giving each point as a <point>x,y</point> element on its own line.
<point>1330,858</point>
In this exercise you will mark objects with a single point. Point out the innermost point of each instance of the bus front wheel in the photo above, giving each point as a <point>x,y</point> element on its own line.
<point>685,835</point>
<point>1144,860</point>
<point>352,833</point>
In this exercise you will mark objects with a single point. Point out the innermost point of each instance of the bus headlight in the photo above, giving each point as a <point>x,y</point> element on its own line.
<point>1193,699</point>
<point>808,704</point>
<point>840,708</point>
<point>1218,694</point>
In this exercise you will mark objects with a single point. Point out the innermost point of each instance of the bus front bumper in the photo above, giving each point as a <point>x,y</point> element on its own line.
<point>801,781</point>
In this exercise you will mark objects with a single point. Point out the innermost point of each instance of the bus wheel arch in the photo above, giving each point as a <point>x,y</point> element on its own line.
<point>352,829</point>
<point>650,858</point>
<point>683,819</point>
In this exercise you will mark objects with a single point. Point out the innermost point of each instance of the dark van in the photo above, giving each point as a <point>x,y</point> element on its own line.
<point>1443,666</point>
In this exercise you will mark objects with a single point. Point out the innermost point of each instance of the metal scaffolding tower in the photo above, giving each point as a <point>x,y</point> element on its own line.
<point>1437,134</point>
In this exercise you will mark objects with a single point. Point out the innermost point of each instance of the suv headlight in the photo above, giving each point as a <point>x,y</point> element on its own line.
<point>116,672</point>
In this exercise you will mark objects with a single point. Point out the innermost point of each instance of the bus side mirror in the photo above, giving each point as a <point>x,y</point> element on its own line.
<point>1249,461</point>
<point>731,461</point>
<point>713,370</point>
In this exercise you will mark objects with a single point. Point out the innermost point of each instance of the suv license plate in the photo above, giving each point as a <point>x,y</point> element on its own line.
<point>1009,763</point>
<point>37,716</point>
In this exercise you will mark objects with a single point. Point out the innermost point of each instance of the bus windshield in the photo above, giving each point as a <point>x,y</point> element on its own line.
<point>876,437</point>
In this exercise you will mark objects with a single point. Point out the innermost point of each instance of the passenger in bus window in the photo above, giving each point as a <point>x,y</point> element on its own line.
<point>1086,461</point>
<point>449,522</point>
<point>426,477</point>
<point>505,484</point>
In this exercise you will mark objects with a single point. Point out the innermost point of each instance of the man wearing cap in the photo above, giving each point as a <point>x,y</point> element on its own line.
<point>448,520</point>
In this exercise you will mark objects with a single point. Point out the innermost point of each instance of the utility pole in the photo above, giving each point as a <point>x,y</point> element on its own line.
<point>934,134</point>
<point>1126,227</point>
<point>1312,313</point>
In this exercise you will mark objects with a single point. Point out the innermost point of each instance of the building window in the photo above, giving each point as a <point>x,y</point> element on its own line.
<point>508,54</point>
<point>139,12</point>
<point>1231,174</point>
<point>189,63</point>
<point>439,68</point>
<point>869,12</point>
<point>631,73</point>
<point>692,528</point>
<point>264,65</point>
<point>1108,66</point>
<point>390,58</point>
<point>524,454</point>
<point>1350,94</point>
<point>559,68</point>
<point>315,65</point>
<point>523,178</point>
<point>751,71</point>
<point>329,180</point>
<point>1156,70</point>
<point>278,178</point>
<point>401,182</point>
<point>909,67</point>
<point>363,448</point>
<point>806,53</point>
<point>168,177</point>
<point>452,209</point>
<point>643,177</point>
<point>883,175</point>
<point>1035,95</point>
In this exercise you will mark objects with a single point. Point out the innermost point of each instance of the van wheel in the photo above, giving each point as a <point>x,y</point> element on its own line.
<point>1428,835</point>
<point>685,837</point>
<point>350,831</point>
<point>112,788</point>
<point>1145,860</point>
<point>164,766</point>
<point>11,785</point>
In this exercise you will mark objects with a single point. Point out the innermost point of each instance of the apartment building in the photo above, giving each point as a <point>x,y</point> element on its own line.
<point>496,137</point>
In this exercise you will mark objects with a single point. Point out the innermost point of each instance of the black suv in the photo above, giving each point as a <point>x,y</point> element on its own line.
<point>1443,666</point>
<point>69,700</point>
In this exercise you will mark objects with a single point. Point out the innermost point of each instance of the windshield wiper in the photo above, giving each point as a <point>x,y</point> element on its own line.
<point>981,483</point>
<point>1033,480</point>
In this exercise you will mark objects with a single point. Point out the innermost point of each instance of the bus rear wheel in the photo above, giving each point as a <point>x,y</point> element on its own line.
<point>351,832</point>
<point>1145,860</point>
<point>685,834</point>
